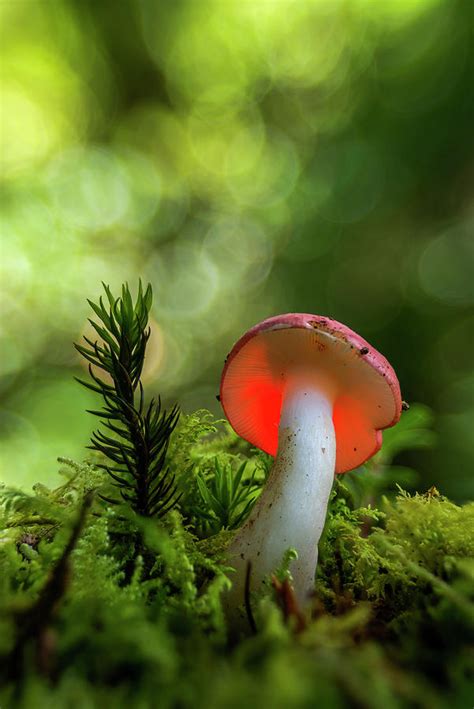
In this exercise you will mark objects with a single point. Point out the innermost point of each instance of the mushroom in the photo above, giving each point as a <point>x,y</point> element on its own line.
<point>314,394</point>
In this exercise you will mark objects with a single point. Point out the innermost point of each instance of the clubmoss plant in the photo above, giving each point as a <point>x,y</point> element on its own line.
<point>138,435</point>
<point>226,500</point>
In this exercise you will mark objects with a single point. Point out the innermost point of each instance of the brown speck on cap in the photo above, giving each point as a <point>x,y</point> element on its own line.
<point>364,350</point>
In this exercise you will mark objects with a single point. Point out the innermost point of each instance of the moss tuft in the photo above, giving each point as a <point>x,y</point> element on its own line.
<point>138,620</point>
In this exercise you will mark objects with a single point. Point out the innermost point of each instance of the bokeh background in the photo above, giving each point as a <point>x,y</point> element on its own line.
<point>247,157</point>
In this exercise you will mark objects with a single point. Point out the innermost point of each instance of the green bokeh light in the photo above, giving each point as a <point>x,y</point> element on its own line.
<point>247,159</point>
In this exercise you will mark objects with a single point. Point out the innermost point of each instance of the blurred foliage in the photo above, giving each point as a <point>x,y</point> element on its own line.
<point>246,158</point>
<point>392,619</point>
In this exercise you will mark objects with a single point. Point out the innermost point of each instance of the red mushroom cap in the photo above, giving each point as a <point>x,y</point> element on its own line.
<point>362,384</point>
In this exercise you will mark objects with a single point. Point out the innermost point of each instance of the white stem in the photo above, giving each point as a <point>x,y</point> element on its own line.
<point>291,510</point>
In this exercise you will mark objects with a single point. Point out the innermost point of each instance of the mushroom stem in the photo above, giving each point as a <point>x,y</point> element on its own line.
<point>291,510</point>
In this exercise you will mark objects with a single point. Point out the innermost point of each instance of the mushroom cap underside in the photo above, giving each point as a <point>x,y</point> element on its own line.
<point>318,352</point>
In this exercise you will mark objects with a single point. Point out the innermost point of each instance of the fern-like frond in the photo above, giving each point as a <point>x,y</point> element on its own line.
<point>136,438</point>
<point>227,496</point>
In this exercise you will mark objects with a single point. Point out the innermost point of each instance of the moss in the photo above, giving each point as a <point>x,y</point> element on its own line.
<point>139,621</point>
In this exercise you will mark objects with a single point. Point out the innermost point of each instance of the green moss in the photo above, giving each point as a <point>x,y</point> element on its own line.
<point>138,620</point>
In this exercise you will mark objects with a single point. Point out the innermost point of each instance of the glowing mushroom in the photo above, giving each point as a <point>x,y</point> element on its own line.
<point>312,393</point>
